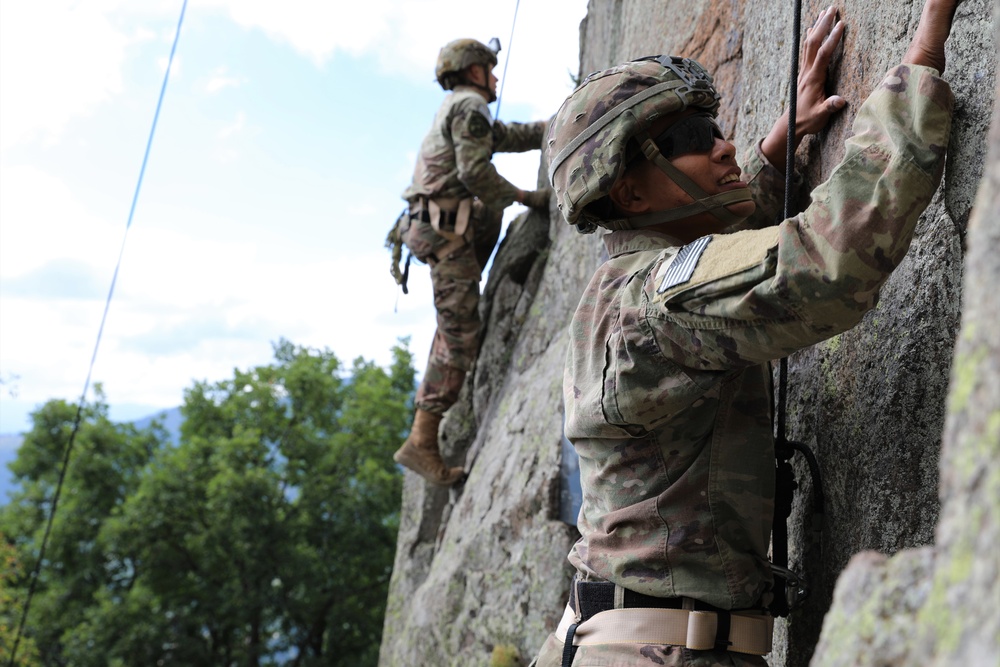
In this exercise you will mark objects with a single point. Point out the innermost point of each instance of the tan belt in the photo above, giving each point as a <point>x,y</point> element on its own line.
<point>749,632</point>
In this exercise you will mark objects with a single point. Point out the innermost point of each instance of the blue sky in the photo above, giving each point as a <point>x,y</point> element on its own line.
<point>288,131</point>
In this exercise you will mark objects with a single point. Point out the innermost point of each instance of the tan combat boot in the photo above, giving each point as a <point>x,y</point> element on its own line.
<point>420,452</point>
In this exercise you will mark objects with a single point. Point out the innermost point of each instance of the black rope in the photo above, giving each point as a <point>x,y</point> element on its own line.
<point>36,571</point>
<point>784,475</point>
<point>793,99</point>
<point>506,62</point>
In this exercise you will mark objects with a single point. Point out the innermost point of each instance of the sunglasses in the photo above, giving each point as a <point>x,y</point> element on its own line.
<point>693,134</point>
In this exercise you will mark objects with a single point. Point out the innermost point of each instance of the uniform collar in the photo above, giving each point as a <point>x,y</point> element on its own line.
<point>627,241</point>
<point>465,88</point>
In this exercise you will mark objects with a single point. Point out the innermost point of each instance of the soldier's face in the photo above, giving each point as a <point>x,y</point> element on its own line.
<point>647,189</point>
<point>483,76</point>
<point>491,83</point>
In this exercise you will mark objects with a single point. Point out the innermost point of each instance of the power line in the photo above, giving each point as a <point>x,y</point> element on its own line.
<point>86,386</point>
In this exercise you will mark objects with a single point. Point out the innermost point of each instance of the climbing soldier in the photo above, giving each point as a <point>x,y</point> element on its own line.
<point>456,203</point>
<point>667,379</point>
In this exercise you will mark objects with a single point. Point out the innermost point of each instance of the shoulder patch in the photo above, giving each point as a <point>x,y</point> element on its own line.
<point>728,255</point>
<point>681,267</point>
<point>478,125</point>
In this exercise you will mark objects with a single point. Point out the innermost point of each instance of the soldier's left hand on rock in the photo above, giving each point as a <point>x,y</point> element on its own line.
<point>537,198</point>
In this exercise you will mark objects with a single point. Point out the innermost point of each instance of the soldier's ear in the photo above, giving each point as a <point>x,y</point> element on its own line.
<point>474,74</point>
<point>625,195</point>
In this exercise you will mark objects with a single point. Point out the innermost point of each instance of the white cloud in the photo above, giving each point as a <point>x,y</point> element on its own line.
<point>220,79</point>
<point>61,59</point>
<point>176,68</point>
<point>41,221</point>
<point>189,308</point>
<point>57,60</point>
<point>314,29</point>
<point>237,126</point>
<point>406,35</point>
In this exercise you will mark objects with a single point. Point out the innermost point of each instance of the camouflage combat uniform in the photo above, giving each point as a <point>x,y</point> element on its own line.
<point>454,163</point>
<point>667,383</point>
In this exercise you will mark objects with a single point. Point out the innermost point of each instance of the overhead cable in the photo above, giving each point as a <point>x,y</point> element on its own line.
<point>86,386</point>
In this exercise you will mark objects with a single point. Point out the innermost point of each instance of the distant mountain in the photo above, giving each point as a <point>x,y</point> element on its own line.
<point>171,420</point>
<point>9,444</point>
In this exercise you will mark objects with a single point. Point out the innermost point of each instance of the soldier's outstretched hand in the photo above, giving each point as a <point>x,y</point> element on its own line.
<point>538,199</point>
<point>927,45</point>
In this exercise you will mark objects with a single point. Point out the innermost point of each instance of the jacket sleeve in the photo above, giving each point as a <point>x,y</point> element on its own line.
<point>767,185</point>
<point>760,294</point>
<point>518,137</point>
<point>472,134</point>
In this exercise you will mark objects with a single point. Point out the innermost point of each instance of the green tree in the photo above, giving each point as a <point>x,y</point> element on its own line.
<point>11,608</point>
<point>103,469</point>
<point>265,537</point>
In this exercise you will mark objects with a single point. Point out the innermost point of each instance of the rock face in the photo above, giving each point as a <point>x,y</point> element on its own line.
<point>908,440</point>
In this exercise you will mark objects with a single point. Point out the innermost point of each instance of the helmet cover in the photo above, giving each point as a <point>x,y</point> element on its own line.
<point>587,144</point>
<point>458,54</point>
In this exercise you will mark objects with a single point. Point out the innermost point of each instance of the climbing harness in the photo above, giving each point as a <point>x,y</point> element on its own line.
<point>450,218</point>
<point>36,572</point>
<point>606,613</point>
<point>790,588</point>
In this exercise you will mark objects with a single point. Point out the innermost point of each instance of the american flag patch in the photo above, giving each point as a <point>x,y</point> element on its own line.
<point>681,267</point>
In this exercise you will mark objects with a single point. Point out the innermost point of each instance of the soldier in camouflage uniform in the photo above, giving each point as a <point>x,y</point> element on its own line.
<point>456,203</point>
<point>667,380</point>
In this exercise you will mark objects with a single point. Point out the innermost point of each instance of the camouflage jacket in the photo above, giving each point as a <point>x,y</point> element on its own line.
<point>667,381</point>
<point>455,156</point>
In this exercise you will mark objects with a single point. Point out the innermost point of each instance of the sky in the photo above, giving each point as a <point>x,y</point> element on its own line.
<point>287,133</point>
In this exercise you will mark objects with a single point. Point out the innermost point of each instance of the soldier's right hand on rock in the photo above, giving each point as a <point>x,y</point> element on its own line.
<point>537,198</point>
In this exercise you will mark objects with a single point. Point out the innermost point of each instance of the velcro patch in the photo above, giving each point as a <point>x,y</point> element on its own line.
<point>680,269</point>
<point>479,126</point>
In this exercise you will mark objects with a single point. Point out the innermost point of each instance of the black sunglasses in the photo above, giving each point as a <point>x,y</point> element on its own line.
<point>692,134</point>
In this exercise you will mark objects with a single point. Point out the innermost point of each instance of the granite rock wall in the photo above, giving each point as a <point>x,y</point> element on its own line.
<point>905,569</point>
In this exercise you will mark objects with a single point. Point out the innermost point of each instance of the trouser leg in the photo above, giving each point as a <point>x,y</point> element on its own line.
<point>440,385</point>
<point>455,345</point>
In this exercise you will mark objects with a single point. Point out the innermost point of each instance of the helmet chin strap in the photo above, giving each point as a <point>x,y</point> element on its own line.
<point>703,202</point>
<point>490,95</point>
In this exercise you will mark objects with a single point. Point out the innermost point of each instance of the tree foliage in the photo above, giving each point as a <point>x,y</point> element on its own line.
<point>265,537</point>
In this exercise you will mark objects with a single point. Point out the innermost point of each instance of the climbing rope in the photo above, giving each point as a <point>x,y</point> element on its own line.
<point>506,61</point>
<point>790,590</point>
<point>36,571</point>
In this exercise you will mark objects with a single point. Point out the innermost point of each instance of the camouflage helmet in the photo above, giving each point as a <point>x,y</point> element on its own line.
<point>458,54</point>
<point>588,140</point>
